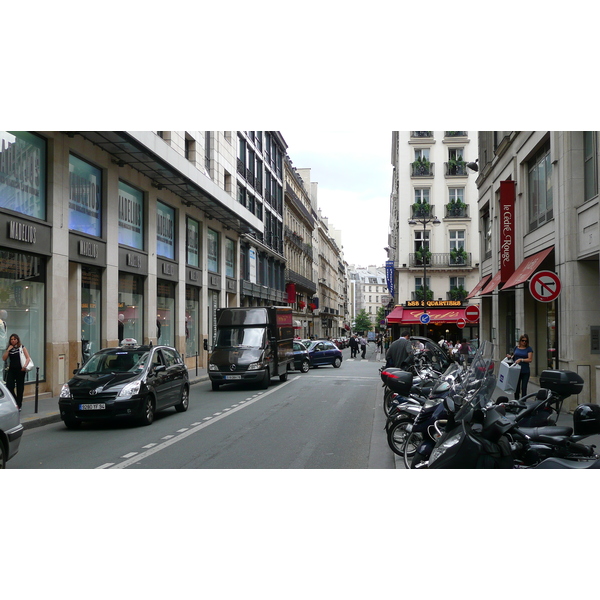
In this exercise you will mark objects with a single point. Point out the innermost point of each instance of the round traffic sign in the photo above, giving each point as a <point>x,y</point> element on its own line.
<point>472,313</point>
<point>424,318</point>
<point>545,286</point>
<point>461,323</point>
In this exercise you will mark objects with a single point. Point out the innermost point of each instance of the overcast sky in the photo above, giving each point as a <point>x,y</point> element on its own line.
<point>354,174</point>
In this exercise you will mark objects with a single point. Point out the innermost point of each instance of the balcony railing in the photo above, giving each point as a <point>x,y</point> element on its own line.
<point>421,169</point>
<point>456,211</point>
<point>456,169</point>
<point>456,134</point>
<point>440,260</point>
<point>457,294</point>
<point>421,134</point>
<point>420,211</point>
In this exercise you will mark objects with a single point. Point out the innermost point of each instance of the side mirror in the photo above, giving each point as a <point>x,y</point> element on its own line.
<point>449,404</point>
<point>159,368</point>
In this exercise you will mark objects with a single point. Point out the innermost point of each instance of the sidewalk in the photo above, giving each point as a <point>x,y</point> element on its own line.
<point>47,406</point>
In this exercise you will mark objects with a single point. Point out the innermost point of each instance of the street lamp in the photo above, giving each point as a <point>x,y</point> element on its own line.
<point>424,221</point>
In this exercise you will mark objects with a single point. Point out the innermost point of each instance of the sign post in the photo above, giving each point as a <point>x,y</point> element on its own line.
<point>461,323</point>
<point>472,313</point>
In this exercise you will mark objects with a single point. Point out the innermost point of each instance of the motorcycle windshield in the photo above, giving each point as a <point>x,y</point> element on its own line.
<point>477,386</point>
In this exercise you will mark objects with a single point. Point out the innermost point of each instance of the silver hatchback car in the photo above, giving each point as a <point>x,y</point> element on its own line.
<point>11,429</point>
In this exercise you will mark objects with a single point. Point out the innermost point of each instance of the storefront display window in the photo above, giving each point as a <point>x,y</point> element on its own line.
<point>165,231</point>
<point>131,216</point>
<point>229,258</point>
<point>23,173</point>
<point>213,251</point>
<point>85,197</point>
<point>193,242</point>
<point>91,302</point>
<point>131,307</point>
<point>165,318</point>
<point>22,303</point>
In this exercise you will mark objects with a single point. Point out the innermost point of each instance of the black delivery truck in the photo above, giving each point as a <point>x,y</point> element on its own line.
<point>252,345</point>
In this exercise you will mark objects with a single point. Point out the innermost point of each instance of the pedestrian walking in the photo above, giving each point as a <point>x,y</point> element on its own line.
<point>400,353</point>
<point>522,355</point>
<point>353,346</point>
<point>363,346</point>
<point>463,353</point>
<point>15,380</point>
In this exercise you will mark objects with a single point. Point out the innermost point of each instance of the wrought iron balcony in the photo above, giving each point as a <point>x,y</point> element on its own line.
<point>455,210</point>
<point>421,169</point>
<point>455,134</point>
<point>456,169</point>
<point>421,134</point>
<point>440,260</point>
<point>420,211</point>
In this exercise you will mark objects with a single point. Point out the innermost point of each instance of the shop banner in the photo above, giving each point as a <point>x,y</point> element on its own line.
<point>389,275</point>
<point>85,195</point>
<point>165,231</point>
<point>131,216</point>
<point>507,229</point>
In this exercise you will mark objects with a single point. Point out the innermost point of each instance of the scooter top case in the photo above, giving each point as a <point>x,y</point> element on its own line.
<point>563,383</point>
<point>398,381</point>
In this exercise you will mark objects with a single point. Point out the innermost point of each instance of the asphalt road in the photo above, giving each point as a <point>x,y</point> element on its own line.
<point>325,419</point>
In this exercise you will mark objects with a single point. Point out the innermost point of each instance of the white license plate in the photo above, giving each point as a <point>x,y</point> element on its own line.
<point>92,406</point>
<point>233,376</point>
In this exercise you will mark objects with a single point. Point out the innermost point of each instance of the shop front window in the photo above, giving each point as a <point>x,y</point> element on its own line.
<point>23,173</point>
<point>192,242</point>
<point>229,258</point>
<point>213,251</point>
<point>131,307</point>
<point>85,197</point>
<point>91,302</point>
<point>165,231</point>
<point>131,216</point>
<point>22,304</point>
<point>165,318</point>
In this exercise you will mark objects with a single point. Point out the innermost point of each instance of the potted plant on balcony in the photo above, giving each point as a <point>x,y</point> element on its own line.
<point>301,304</point>
<point>458,293</point>
<point>456,208</point>
<point>423,255</point>
<point>419,295</point>
<point>456,165</point>
<point>421,166</point>
<point>458,256</point>
<point>421,208</point>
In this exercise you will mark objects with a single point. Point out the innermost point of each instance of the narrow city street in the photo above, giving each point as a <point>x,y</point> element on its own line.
<point>325,419</point>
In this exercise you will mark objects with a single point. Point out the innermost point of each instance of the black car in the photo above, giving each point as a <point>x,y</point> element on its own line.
<point>301,357</point>
<point>129,382</point>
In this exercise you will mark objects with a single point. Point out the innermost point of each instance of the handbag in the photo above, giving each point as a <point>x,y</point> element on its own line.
<point>29,366</point>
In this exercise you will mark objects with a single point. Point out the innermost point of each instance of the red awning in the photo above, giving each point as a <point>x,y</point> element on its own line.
<point>411,316</point>
<point>396,315</point>
<point>527,268</point>
<point>493,283</point>
<point>476,289</point>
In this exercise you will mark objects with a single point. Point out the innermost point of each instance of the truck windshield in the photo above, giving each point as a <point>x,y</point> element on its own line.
<point>237,337</point>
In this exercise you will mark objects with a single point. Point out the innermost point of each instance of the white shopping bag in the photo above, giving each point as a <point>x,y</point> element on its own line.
<point>508,376</point>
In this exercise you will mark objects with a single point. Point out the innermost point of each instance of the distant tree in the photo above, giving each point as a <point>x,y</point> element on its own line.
<point>362,321</point>
<point>380,317</point>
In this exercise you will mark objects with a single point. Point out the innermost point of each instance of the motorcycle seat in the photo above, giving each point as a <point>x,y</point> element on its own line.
<point>554,431</point>
<point>562,463</point>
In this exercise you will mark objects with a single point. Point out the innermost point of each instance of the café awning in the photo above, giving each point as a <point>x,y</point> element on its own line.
<point>476,289</point>
<point>527,268</point>
<point>492,284</point>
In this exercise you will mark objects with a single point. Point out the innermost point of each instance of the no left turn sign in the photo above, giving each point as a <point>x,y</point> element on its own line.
<point>545,286</point>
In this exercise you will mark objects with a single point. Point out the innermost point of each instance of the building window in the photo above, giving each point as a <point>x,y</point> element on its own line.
<point>229,258</point>
<point>422,195</point>
<point>212,251</point>
<point>540,188</point>
<point>131,216</point>
<point>421,239</point>
<point>457,239</point>
<point>23,173</point>
<point>487,234</point>
<point>590,147</point>
<point>85,197</point>
<point>456,194</point>
<point>190,147</point>
<point>207,151</point>
<point>165,231</point>
<point>457,282</point>
<point>192,242</point>
<point>227,182</point>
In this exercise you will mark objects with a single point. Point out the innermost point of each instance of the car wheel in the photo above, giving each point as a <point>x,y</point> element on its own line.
<point>72,423</point>
<point>215,386</point>
<point>337,362</point>
<point>185,400</point>
<point>148,415</point>
<point>283,376</point>
<point>2,456</point>
<point>305,366</point>
<point>266,379</point>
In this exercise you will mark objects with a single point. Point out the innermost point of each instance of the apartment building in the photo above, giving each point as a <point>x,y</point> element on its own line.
<point>433,241</point>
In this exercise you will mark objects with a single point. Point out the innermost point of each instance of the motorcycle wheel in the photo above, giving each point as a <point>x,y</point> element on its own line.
<point>398,435</point>
<point>387,401</point>
<point>409,451</point>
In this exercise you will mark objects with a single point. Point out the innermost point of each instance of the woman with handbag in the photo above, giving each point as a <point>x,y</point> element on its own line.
<point>18,359</point>
<point>522,355</point>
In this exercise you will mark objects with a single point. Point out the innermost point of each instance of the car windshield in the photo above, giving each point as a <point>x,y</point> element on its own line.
<point>118,361</point>
<point>240,337</point>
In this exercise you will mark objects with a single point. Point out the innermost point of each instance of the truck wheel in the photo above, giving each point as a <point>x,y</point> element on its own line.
<point>266,380</point>
<point>283,376</point>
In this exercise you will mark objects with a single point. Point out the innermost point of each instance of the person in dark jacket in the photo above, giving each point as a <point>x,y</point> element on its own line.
<point>400,353</point>
<point>353,346</point>
<point>16,373</point>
